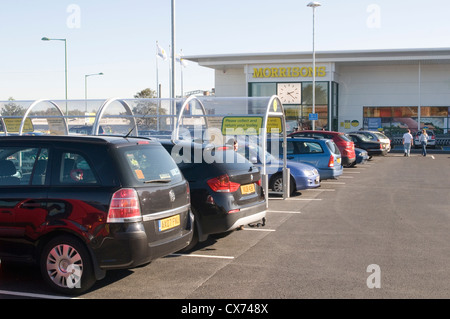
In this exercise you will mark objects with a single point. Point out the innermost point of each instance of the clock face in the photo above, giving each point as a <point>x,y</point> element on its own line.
<point>289,93</point>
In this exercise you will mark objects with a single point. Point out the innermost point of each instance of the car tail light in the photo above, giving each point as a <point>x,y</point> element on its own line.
<point>331,161</point>
<point>259,182</point>
<point>124,206</point>
<point>234,211</point>
<point>223,184</point>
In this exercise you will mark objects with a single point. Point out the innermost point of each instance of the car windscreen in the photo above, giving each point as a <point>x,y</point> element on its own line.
<point>333,147</point>
<point>151,164</point>
<point>345,137</point>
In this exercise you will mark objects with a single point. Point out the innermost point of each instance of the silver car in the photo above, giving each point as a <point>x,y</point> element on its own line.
<point>377,136</point>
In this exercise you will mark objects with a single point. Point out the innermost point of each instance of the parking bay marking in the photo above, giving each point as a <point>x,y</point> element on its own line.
<point>203,256</point>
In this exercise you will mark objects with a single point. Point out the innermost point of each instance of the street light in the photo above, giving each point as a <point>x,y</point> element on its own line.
<point>65,55</point>
<point>85,87</point>
<point>314,5</point>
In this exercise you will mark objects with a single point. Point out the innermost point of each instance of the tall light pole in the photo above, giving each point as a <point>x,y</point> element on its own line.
<point>85,88</point>
<point>314,5</point>
<point>172,89</point>
<point>65,62</point>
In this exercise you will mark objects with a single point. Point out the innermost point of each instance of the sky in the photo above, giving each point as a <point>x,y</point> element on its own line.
<point>118,38</point>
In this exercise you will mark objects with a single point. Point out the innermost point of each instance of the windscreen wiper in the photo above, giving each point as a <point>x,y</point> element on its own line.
<point>165,180</point>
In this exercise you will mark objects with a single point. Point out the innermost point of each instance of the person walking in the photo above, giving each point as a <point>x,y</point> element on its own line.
<point>423,140</point>
<point>407,139</point>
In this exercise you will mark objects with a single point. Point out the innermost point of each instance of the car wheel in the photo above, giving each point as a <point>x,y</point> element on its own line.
<point>66,265</point>
<point>276,184</point>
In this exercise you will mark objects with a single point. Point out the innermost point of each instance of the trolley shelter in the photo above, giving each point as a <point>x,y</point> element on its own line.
<point>216,120</point>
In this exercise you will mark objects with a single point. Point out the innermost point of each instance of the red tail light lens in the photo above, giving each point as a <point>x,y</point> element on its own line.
<point>223,184</point>
<point>124,206</point>
<point>331,161</point>
<point>259,182</point>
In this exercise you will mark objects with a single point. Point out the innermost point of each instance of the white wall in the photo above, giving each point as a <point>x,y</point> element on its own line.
<point>230,83</point>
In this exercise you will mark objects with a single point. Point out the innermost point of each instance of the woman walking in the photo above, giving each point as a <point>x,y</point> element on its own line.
<point>423,139</point>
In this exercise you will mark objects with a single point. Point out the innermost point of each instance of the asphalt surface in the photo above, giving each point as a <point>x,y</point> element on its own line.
<point>380,231</point>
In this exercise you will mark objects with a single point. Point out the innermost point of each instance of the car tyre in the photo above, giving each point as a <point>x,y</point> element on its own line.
<point>276,184</point>
<point>66,265</point>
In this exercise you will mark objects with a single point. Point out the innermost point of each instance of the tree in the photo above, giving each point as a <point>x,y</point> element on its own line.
<point>12,109</point>
<point>147,109</point>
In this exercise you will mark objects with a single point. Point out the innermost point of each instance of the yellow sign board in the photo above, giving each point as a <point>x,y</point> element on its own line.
<point>249,125</point>
<point>13,125</point>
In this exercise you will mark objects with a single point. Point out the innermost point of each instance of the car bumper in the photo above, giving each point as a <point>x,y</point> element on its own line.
<point>307,182</point>
<point>129,245</point>
<point>331,173</point>
<point>220,221</point>
<point>347,161</point>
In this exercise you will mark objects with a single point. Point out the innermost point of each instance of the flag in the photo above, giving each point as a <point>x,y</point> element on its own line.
<point>182,61</point>
<point>161,52</point>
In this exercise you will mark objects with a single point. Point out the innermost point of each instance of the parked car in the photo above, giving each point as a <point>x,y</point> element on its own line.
<point>225,188</point>
<point>323,154</point>
<point>303,176</point>
<point>361,156</point>
<point>431,139</point>
<point>343,142</point>
<point>372,147</point>
<point>376,136</point>
<point>80,205</point>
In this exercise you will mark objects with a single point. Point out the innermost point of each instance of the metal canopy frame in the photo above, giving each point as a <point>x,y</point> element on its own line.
<point>212,109</point>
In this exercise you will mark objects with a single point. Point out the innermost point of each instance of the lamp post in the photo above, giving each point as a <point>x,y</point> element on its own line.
<point>314,5</point>
<point>65,59</point>
<point>85,88</point>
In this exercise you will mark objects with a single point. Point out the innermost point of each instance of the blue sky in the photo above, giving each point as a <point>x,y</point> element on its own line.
<point>119,37</point>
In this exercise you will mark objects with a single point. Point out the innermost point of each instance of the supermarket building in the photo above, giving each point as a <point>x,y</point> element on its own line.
<point>387,90</point>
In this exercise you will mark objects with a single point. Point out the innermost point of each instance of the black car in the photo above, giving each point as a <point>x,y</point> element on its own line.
<point>372,147</point>
<point>226,191</point>
<point>80,205</point>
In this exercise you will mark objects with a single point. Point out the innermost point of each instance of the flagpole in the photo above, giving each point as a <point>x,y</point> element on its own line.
<point>157,87</point>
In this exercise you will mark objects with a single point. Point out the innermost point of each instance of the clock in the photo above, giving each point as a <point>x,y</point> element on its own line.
<point>289,93</point>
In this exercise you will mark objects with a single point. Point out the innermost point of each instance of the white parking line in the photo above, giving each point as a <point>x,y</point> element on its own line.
<point>291,198</point>
<point>321,189</point>
<point>31,295</point>
<point>337,183</point>
<point>259,229</point>
<point>284,211</point>
<point>203,256</point>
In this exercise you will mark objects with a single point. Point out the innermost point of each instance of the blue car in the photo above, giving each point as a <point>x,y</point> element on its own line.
<point>323,154</point>
<point>361,156</point>
<point>303,176</point>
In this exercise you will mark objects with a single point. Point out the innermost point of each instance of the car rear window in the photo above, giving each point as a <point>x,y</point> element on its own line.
<point>345,137</point>
<point>151,164</point>
<point>333,147</point>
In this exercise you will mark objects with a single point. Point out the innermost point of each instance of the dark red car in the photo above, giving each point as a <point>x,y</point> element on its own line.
<point>343,142</point>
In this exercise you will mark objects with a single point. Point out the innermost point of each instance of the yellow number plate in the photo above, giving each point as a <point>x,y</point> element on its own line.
<point>339,160</point>
<point>169,222</point>
<point>247,189</point>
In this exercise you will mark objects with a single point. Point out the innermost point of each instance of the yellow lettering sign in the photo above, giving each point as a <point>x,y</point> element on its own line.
<point>293,72</point>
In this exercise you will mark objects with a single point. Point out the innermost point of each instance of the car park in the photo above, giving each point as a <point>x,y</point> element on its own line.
<point>323,154</point>
<point>343,142</point>
<point>376,136</point>
<point>302,176</point>
<point>431,142</point>
<point>81,205</point>
<point>226,191</point>
<point>372,147</point>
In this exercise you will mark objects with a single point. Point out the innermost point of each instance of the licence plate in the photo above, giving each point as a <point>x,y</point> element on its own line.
<point>339,160</point>
<point>168,223</point>
<point>247,189</point>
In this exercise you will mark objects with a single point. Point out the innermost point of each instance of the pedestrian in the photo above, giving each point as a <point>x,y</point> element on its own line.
<point>423,140</point>
<point>407,139</point>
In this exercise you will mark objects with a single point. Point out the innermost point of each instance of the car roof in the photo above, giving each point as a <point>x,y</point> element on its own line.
<point>94,139</point>
<point>319,132</point>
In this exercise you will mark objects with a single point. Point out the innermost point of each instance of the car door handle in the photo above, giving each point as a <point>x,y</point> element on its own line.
<point>31,205</point>
<point>290,157</point>
<point>6,212</point>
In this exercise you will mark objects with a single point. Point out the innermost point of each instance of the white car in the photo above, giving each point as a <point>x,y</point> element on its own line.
<point>431,139</point>
<point>377,136</point>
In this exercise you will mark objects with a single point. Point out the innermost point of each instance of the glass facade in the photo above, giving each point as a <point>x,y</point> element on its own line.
<point>297,115</point>
<point>394,120</point>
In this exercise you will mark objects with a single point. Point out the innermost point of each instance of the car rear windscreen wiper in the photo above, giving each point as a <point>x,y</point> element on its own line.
<point>158,181</point>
